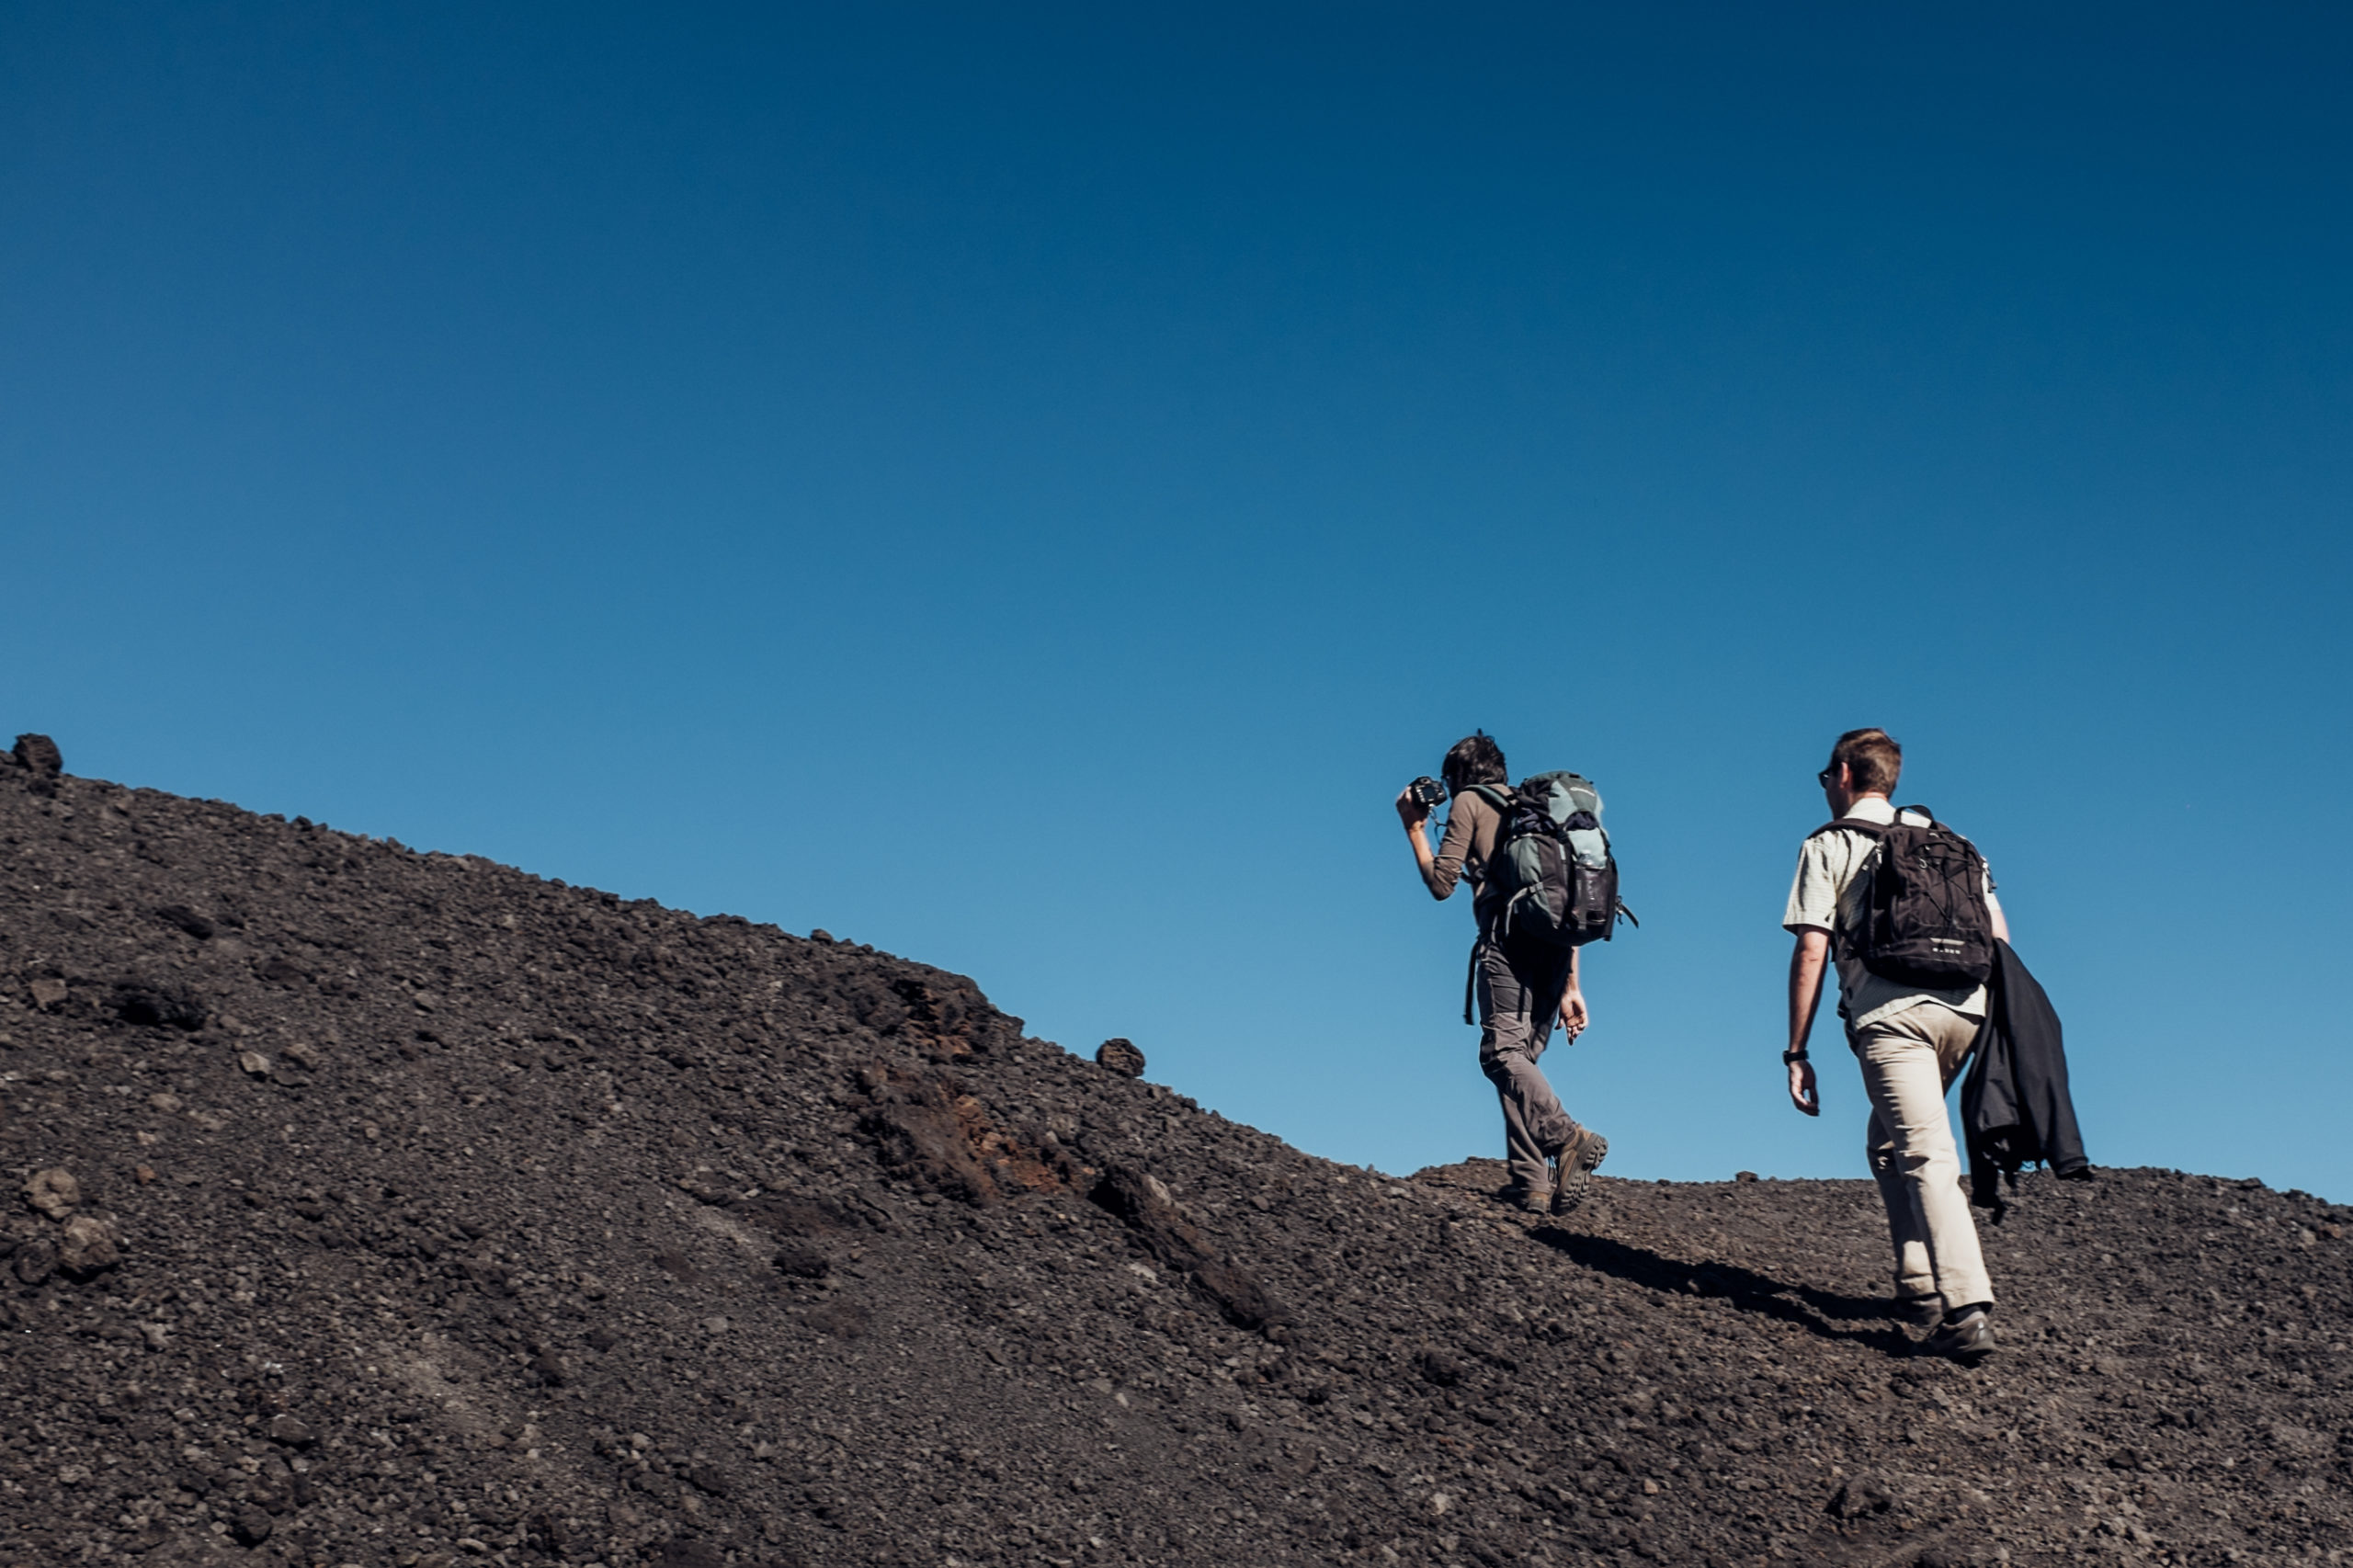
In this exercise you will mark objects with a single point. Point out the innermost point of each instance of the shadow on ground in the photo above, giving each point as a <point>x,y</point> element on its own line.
<point>1819,1312</point>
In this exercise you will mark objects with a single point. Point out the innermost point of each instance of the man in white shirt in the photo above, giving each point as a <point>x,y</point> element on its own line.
<point>1910,1042</point>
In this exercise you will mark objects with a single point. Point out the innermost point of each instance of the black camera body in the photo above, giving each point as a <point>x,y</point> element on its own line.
<point>1428,790</point>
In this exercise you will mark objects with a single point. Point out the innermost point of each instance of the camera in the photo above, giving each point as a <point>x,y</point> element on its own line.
<point>1428,790</point>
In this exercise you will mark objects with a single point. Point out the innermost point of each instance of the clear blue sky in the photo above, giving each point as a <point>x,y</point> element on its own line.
<point>1024,486</point>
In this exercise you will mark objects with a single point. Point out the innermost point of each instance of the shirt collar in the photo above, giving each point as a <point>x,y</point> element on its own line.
<point>1870,808</point>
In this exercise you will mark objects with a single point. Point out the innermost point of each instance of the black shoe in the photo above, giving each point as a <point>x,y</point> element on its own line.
<point>1966,1337</point>
<point>1918,1311</point>
<point>1574,1168</point>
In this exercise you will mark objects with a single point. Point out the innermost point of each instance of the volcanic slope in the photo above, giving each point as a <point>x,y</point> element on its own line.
<point>388,1209</point>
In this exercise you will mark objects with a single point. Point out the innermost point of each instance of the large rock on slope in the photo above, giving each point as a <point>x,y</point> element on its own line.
<point>457,1215</point>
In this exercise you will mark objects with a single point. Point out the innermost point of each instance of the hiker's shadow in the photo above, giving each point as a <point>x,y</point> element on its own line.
<point>1819,1312</point>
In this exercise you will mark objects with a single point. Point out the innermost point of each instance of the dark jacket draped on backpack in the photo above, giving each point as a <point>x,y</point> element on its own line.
<point>2015,1107</point>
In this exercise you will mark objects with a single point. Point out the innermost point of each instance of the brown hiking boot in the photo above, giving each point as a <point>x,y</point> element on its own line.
<point>1573,1168</point>
<point>1524,1199</point>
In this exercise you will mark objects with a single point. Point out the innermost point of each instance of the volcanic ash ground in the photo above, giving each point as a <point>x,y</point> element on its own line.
<point>405,1211</point>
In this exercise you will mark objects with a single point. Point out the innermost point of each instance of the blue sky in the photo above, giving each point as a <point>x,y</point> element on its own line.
<point>1023,487</point>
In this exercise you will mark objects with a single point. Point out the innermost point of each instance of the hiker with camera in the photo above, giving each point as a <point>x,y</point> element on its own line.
<point>1542,883</point>
<point>1903,909</point>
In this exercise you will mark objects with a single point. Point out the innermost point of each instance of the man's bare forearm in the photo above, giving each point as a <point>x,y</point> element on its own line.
<point>1807,961</point>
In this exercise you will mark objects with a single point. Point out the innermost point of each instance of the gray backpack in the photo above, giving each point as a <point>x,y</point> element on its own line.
<point>1552,878</point>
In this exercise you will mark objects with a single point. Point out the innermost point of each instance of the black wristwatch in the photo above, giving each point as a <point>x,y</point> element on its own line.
<point>1797,1055</point>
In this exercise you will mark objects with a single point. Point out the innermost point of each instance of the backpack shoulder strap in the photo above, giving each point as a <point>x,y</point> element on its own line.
<point>1500,798</point>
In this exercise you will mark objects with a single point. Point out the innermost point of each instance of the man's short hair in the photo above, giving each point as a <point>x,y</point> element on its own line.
<point>1873,760</point>
<point>1473,759</point>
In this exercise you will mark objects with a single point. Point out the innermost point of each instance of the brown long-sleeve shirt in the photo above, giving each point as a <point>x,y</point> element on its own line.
<point>1472,825</point>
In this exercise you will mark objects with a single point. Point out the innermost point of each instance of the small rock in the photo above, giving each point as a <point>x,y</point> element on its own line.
<point>169,1103</point>
<point>1859,1495</point>
<point>47,995</point>
<point>2302,1440</point>
<point>304,1056</point>
<point>1441,1368</point>
<point>1743,1175</point>
<point>54,1192</point>
<point>35,1262</point>
<point>181,917</point>
<point>1120,1055</point>
<point>291,1432</point>
<point>39,753</point>
<point>253,1526</point>
<point>551,1369</point>
<point>89,1245</point>
<point>160,1005</point>
<point>799,1260</point>
<point>253,1063</point>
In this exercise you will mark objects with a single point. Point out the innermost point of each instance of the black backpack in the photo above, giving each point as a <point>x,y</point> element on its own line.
<point>1924,920</point>
<point>1553,878</point>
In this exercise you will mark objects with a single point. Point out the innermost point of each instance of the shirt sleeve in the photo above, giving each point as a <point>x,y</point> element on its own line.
<point>1446,869</point>
<point>1814,892</point>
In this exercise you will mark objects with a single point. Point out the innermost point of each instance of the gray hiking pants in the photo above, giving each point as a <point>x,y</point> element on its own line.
<point>1518,995</point>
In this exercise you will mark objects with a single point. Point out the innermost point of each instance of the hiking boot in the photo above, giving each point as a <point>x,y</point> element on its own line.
<point>1966,1337</point>
<point>1573,1166</point>
<point>1527,1199</point>
<point>1918,1311</point>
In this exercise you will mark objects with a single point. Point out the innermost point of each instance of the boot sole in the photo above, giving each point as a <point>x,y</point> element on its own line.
<point>1569,1191</point>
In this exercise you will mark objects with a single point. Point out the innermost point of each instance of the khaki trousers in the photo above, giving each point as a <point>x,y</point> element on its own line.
<point>1908,1061</point>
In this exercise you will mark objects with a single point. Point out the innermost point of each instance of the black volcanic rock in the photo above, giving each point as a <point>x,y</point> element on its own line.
<point>451,1215</point>
<point>40,755</point>
<point>1120,1055</point>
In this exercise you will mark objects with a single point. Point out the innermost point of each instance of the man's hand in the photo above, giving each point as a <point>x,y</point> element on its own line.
<point>1802,1089</point>
<point>1411,812</point>
<point>1572,1012</point>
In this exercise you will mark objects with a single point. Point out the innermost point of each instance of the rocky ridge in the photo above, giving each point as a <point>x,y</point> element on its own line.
<point>399,1210</point>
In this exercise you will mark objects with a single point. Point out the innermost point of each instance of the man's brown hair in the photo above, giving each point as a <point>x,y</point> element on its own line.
<point>1874,762</point>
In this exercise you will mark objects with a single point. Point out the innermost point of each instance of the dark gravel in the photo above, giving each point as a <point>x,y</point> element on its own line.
<point>376,1207</point>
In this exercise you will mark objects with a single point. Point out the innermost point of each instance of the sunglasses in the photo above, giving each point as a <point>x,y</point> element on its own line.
<point>1826,779</point>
